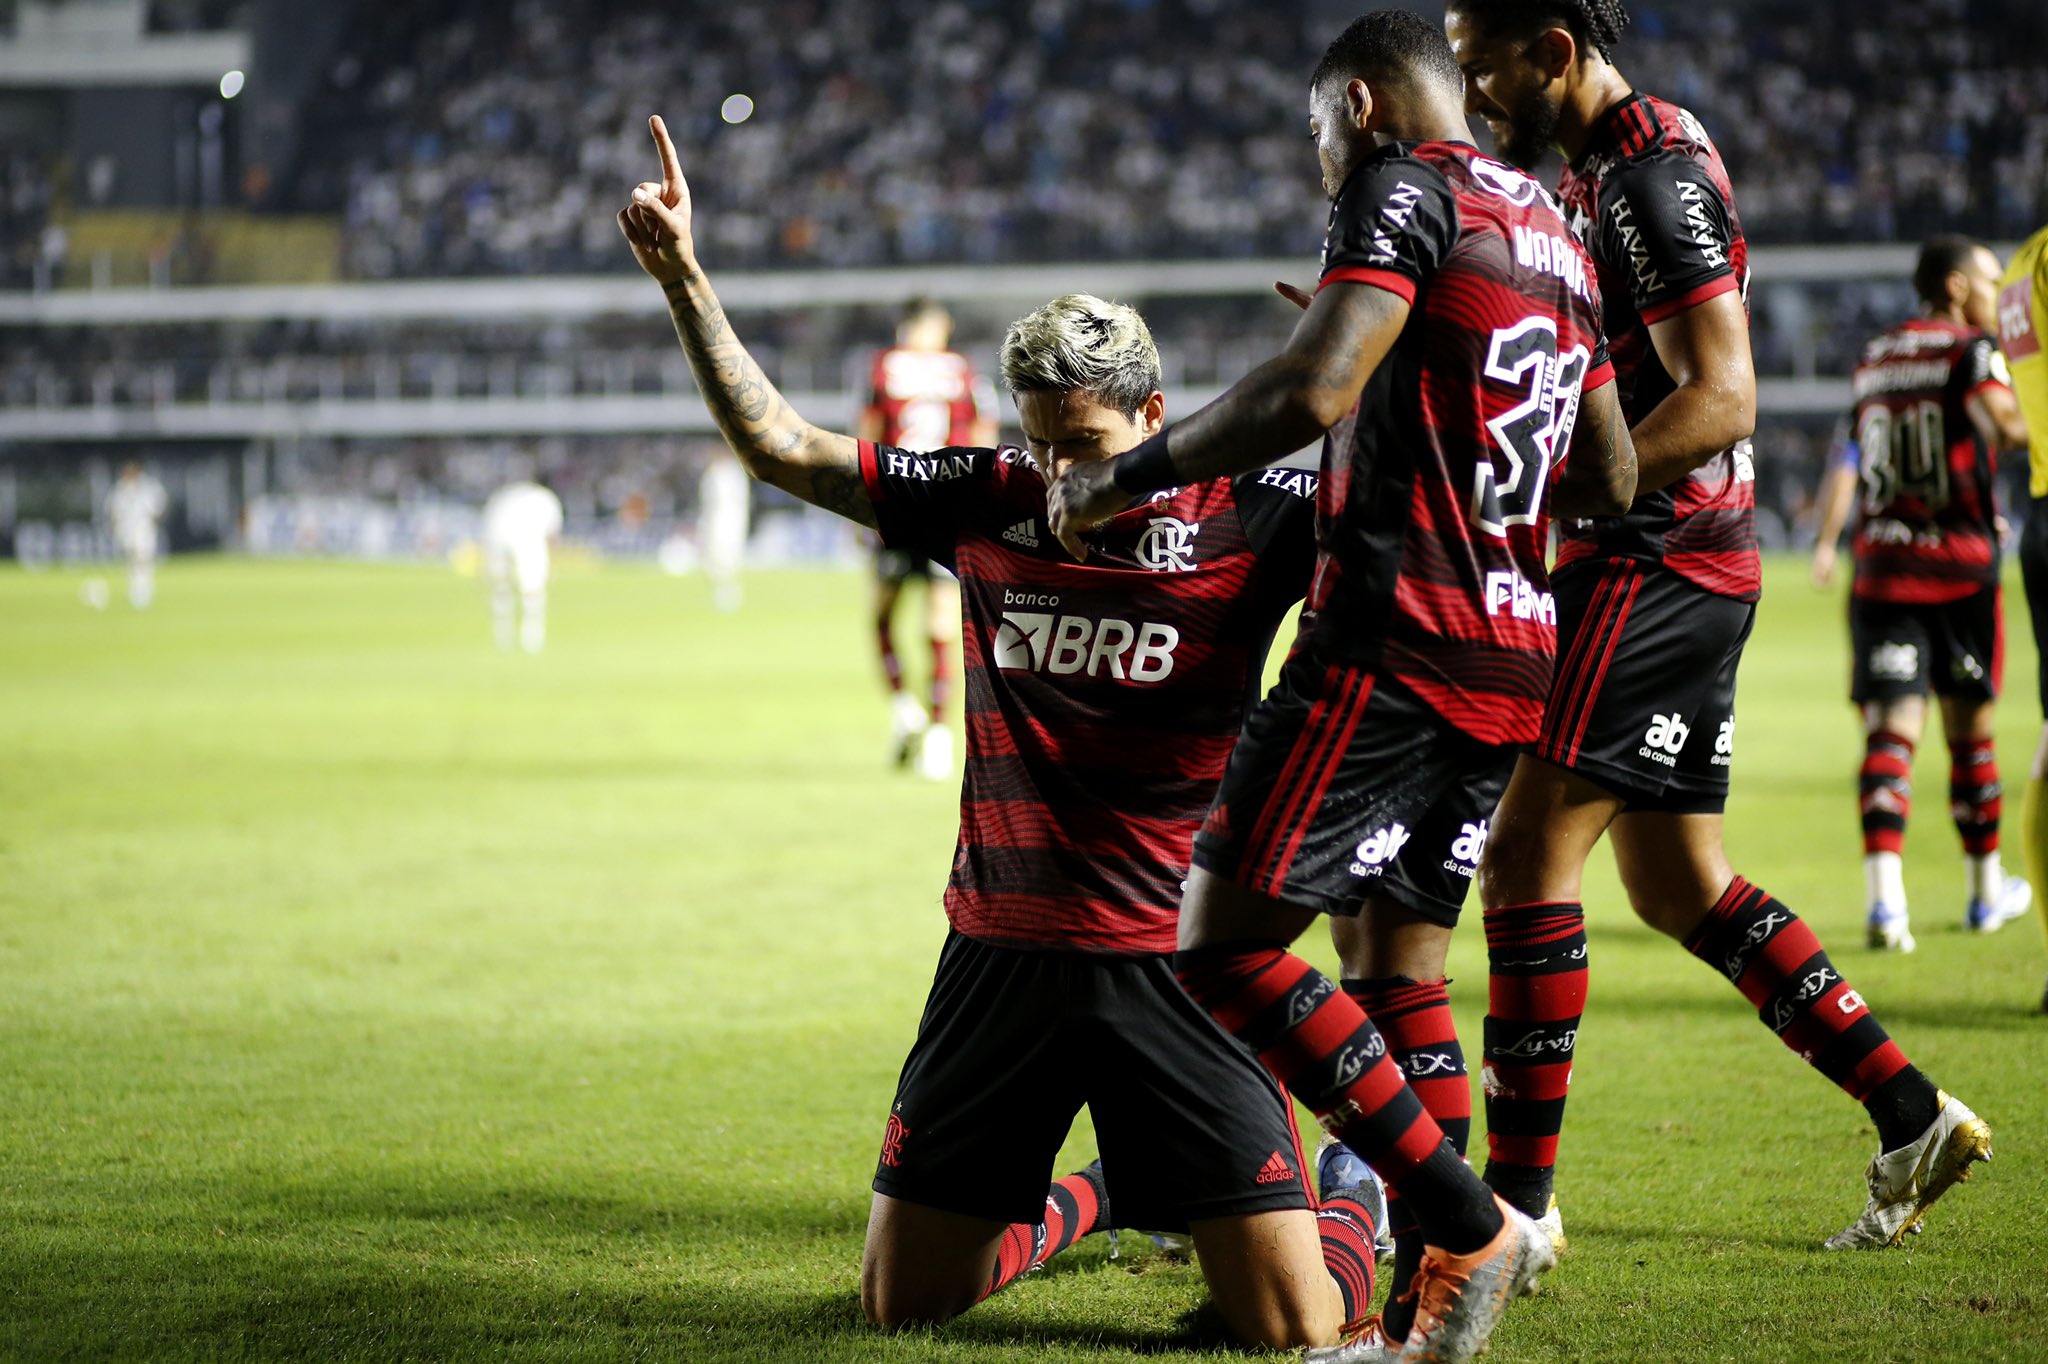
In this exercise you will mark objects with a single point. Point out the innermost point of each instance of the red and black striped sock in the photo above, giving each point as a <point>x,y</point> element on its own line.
<point>1074,1206</point>
<point>1885,791</point>
<point>1415,1018</point>
<point>1322,1048</point>
<point>1347,1232</point>
<point>1536,992</point>
<point>1775,960</point>
<point>942,679</point>
<point>1975,797</point>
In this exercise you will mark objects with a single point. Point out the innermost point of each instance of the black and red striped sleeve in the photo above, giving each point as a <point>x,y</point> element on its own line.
<point>922,500</point>
<point>1667,228</point>
<point>1981,366</point>
<point>1393,224</point>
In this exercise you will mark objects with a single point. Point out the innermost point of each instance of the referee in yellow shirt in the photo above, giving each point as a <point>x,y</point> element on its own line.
<point>2023,335</point>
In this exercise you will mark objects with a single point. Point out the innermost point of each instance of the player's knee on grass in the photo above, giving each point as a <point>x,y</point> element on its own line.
<point>1266,1276</point>
<point>922,1266</point>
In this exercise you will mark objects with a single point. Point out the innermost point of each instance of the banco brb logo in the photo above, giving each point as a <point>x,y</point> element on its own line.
<point>1034,641</point>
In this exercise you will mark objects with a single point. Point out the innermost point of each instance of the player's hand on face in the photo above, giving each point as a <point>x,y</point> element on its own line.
<point>1081,499</point>
<point>657,222</point>
<point>1300,298</point>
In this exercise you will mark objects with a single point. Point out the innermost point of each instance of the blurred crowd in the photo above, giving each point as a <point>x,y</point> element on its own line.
<point>461,137</point>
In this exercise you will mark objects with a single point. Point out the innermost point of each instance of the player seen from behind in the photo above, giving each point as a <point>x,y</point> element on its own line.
<point>1444,359</point>
<point>1102,699</point>
<point>922,396</point>
<point>1653,612</point>
<point>1934,405</point>
<point>521,522</point>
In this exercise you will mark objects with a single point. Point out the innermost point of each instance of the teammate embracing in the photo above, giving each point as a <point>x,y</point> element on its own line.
<point>1653,611</point>
<point>1933,406</point>
<point>1451,347</point>
<point>1102,700</point>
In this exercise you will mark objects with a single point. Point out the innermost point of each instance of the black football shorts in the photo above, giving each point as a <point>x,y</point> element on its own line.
<point>1345,786</point>
<point>1908,648</point>
<point>1643,700</point>
<point>1012,1044</point>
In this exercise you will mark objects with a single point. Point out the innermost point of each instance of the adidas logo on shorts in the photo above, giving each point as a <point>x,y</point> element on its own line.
<point>1024,533</point>
<point>1274,1171</point>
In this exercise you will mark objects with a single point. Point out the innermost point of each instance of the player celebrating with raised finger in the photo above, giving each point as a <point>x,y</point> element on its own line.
<point>1102,699</point>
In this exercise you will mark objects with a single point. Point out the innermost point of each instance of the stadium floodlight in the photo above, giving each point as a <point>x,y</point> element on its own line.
<point>231,84</point>
<point>737,108</point>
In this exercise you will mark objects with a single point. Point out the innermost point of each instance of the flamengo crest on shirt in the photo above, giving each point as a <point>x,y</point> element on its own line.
<point>1168,545</point>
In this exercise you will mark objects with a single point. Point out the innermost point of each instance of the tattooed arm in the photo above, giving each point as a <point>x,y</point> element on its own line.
<point>1599,475</point>
<point>774,443</point>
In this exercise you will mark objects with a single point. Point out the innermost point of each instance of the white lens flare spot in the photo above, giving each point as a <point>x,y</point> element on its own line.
<point>736,109</point>
<point>231,84</point>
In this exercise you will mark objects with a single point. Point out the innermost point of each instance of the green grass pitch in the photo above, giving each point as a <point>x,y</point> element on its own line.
<point>364,992</point>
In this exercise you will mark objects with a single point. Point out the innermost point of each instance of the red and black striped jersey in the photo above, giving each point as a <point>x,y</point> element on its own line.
<point>1926,515</point>
<point>1432,522</point>
<point>925,400</point>
<point>1652,202</point>
<point>1102,698</point>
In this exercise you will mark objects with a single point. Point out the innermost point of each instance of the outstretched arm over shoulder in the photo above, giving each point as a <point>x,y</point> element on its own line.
<point>771,439</point>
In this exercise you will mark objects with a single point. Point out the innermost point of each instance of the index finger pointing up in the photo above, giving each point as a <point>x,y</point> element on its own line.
<point>671,169</point>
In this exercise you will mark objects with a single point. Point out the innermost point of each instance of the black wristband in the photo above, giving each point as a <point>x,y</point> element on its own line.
<point>1146,468</point>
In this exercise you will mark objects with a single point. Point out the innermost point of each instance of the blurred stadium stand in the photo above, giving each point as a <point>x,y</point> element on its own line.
<point>455,165</point>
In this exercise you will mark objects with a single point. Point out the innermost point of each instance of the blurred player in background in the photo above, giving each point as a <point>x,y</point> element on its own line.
<point>135,511</point>
<point>1933,406</point>
<point>923,396</point>
<point>1444,359</point>
<point>724,507</point>
<point>1103,697</point>
<point>2023,331</point>
<point>1653,611</point>
<point>522,520</point>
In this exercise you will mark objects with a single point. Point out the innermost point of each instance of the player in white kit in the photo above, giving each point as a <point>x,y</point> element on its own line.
<point>521,522</point>
<point>723,507</point>
<point>135,507</point>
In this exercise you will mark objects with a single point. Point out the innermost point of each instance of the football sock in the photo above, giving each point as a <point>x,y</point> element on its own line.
<point>892,666</point>
<point>1885,791</point>
<point>1535,994</point>
<point>942,683</point>
<point>1415,1018</point>
<point>1884,879</point>
<point>1074,1207</point>
<point>1323,1049</point>
<point>2034,828</point>
<point>1976,800</point>
<point>1770,955</point>
<point>1347,1234</point>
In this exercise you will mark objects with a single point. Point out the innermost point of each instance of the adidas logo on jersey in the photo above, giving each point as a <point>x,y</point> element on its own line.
<point>1378,848</point>
<point>1274,1171</point>
<point>1665,739</point>
<point>1024,533</point>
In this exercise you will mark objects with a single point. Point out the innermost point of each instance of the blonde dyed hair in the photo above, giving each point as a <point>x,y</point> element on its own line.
<point>1081,343</point>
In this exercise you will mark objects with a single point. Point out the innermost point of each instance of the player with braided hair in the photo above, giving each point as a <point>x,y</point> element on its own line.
<point>1653,610</point>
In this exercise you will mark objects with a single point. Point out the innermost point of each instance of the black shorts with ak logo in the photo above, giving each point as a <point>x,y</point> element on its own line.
<point>1014,1042</point>
<point>1643,701</point>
